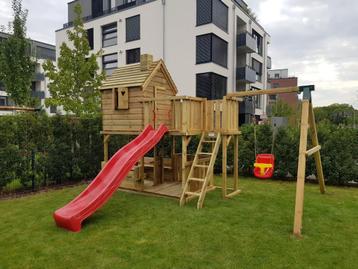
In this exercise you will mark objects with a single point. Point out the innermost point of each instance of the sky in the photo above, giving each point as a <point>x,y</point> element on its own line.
<point>317,40</point>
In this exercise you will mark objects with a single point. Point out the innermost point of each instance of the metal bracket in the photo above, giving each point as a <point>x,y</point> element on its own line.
<point>306,90</point>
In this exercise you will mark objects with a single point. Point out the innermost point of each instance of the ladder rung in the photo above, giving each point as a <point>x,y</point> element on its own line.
<point>197,179</point>
<point>205,153</point>
<point>209,141</point>
<point>192,193</point>
<point>201,165</point>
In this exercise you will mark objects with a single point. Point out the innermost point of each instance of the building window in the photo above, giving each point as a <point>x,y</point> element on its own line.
<point>45,53</point>
<point>259,41</point>
<point>257,66</point>
<point>97,8</point>
<point>110,63</point>
<point>90,38</point>
<point>109,35</point>
<point>211,86</point>
<point>211,48</point>
<point>133,28</point>
<point>2,101</point>
<point>212,11</point>
<point>257,98</point>
<point>53,109</point>
<point>276,85</point>
<point>273,97</point>
<point>133,56</point>
<point>277,75</point>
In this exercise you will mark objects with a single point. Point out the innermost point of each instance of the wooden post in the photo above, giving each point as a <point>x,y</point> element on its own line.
<point>236,162</point>
<point>316,155</point>
<point>184,145</point>
<point>224,166</point>
<point>301,169</point>
<point>141,171</point>
<point>105,149</point>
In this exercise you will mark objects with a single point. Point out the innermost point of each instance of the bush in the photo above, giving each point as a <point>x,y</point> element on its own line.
<point>67,148</point>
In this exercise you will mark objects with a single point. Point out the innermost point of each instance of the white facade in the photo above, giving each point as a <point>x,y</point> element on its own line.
<point>278,73</point>
<point>168,31</point>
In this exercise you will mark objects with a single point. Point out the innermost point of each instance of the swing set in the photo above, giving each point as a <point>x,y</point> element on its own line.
<point>308,123</point>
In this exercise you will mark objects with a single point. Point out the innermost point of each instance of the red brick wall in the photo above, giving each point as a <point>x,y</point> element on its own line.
<point>290,98</point>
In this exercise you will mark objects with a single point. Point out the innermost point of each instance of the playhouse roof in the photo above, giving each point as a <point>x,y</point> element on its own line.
<point>134,76</point>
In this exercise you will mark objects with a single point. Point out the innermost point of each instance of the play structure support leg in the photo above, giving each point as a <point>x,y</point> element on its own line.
<point>316,155</point>
<point>184,145</point>
<point>224,166</point>
<point>236,162</point>
<point>301,169</point>
<point>105,149</point>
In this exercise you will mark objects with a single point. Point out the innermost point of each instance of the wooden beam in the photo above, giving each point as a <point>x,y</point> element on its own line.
<point>234,193</point>
<point>262,92</point>
<point>236,162</point>
<point>184,150</point>
<point>301,170</point>
<point>105,149</point>
<point>15,108</point>
<point>224,166</point>
<point>313,150</point>
<point>317,154</point>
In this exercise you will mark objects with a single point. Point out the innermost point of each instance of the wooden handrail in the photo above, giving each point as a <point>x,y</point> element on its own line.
<point>15,108</point>
<point>262,92</point>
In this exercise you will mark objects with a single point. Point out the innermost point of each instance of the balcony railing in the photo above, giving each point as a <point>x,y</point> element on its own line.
<point>105,12</point>
<point>246,43</point>
<point>246,74</point>
<point>36,94</point>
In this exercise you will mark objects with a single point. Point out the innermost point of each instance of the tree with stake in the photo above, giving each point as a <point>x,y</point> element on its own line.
<point>74,83</point>
<point>16,66</point>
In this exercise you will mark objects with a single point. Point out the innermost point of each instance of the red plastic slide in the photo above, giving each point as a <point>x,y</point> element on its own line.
<point>108,180</point>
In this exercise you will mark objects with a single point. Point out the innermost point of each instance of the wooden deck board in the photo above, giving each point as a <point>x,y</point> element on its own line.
<point>168,189</point>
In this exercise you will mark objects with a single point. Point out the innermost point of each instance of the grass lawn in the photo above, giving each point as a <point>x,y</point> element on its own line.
<point>253,230</point>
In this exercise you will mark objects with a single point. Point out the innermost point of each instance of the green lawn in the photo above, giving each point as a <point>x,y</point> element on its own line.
<point>253,230</point>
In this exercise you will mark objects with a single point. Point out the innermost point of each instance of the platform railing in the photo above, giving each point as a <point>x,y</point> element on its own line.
<point>192,115</point>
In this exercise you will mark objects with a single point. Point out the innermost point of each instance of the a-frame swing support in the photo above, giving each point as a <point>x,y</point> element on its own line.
<point>308,124</point>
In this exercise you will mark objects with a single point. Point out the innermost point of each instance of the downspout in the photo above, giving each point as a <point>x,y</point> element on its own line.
<point>234,62</point>
<point>164,29</point>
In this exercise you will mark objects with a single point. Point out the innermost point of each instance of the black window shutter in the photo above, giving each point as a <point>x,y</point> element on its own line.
<point>219,51</point>
<point>133,28</point>
<point>220,14</point>
<point>204,85</point>
<point>203,49</point>
<point>203,11</point>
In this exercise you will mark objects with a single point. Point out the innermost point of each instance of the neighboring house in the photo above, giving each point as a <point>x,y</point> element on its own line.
<point>40,52</point>
<point>279,78</point>
<point>211,47</point>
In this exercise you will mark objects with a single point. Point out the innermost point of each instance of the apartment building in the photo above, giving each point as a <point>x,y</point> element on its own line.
<point>211,47</point>
<point>279,78</point>
<point>40,52</point>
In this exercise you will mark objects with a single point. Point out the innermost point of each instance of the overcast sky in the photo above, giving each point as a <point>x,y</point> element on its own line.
<point>317,40</point>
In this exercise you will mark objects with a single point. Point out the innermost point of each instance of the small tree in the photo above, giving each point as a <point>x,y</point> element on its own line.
<point>16,66</point>
<point>74,83</point>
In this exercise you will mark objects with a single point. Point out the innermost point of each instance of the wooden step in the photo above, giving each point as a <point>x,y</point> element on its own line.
<point>196,179</point>
<point>209,141</point>
<point>201,165</point>
<point>192,193</point>
<point>205,153</point>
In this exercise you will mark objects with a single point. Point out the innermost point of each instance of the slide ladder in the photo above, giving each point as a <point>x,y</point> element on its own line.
<point>213,140</point>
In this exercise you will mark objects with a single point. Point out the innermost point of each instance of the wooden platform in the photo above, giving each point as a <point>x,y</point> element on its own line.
<point>167,189</point>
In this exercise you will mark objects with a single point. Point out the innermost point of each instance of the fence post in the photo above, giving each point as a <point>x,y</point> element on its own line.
<point>33,159</point>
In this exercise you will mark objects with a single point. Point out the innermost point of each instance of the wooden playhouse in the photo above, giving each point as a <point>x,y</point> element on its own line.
<point>140,94</point>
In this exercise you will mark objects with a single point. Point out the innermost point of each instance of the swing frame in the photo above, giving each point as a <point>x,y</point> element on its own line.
<point>308,124</point>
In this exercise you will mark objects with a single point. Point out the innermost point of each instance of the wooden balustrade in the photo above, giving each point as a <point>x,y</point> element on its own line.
<point>191,115</point>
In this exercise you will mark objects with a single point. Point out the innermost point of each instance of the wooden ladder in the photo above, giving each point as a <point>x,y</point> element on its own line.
<point>206,138</point>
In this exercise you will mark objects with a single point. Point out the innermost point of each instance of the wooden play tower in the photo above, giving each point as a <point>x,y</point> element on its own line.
<point>137,95</point>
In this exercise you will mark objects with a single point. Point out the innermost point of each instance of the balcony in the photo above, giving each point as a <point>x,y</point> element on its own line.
<point>246,43</point>
<point>246,74</point>
<point>120,7</point>
<point>269,62</point>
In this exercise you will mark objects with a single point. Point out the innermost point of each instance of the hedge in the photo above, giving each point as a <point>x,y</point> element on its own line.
<point>68,149</point>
